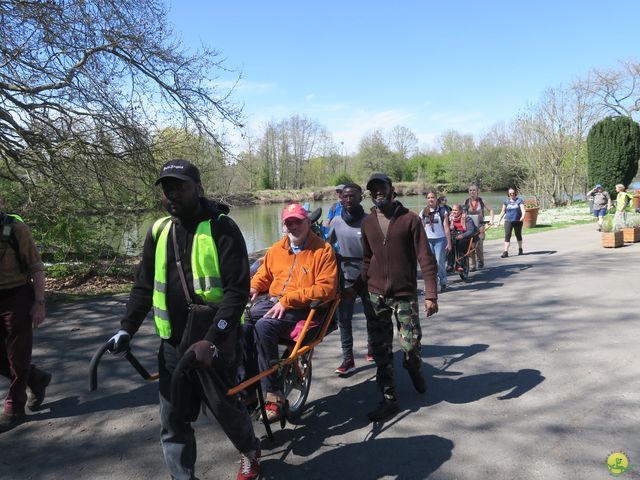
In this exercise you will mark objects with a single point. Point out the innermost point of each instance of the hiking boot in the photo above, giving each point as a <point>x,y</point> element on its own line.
<point>348,366</point>
<point>505,254</point>
<point>520,252</point>
<point>249,466</point>
<point>418,380</point>
<point>9,421</point>
<point>37,391</point>
<point>388,407</point>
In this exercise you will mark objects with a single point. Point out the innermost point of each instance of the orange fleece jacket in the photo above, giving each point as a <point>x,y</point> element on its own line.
<point>299,279</point>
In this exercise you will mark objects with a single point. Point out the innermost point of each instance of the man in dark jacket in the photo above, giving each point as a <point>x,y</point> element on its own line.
<point>394,242</point>
<point>198,292</point>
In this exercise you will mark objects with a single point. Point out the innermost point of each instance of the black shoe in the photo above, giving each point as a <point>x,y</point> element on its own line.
<point>480,265</point>
<point>9,421</point>
<point>418,380</point>
<point>443,288</point>
<point>388,407</point>
<point>520,252</point>
<point>38,391</point>
<point>504,255</point>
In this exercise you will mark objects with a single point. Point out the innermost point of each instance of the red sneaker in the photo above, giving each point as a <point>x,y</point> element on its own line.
<point>249,466</point>
<point>346,367</point>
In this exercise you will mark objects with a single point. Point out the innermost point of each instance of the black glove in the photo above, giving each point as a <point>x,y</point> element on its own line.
<point>205,353</point>
<point>120,343</point>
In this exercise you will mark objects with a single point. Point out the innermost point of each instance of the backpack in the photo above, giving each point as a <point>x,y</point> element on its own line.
<point>6,233</point>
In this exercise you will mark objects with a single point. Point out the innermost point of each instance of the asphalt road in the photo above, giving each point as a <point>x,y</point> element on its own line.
<point>532,370</point>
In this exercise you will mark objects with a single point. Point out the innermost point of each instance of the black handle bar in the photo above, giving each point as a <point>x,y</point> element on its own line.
<point>95,360</point>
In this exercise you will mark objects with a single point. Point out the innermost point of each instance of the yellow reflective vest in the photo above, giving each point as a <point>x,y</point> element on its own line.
<point>207,282</point>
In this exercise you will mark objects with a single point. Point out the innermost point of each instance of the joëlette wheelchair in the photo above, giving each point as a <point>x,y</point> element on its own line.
<point>461,258</point>
<point>294,366</point>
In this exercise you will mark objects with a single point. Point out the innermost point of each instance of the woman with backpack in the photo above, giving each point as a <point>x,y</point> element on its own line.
<point>435,220</point>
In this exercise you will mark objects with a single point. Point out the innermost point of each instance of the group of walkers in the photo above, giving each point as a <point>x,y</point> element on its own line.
<point>194,276</point>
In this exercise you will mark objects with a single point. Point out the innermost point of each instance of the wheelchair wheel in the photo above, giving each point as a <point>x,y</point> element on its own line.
<point>297,382</point>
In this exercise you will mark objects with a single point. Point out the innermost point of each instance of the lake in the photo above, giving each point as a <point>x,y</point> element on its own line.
<point>261,226</point>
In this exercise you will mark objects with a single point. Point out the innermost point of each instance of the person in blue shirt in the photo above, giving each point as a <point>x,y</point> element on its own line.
<point>336,209</point>
<point>513,213</point>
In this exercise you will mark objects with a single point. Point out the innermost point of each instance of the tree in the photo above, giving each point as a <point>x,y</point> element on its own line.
<point>82,85</point>
<point>613,149</point>
<point>616,92</point>
<point>404,142</point>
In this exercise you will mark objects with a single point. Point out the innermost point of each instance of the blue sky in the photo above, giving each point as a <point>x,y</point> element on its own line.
<point>354,66</point>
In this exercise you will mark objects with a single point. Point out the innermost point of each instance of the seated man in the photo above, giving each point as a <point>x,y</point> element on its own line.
<point>298,269</point>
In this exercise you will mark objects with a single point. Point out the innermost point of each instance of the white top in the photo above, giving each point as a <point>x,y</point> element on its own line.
<point>432,222</point>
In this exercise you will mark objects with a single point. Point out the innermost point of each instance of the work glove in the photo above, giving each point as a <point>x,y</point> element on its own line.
<point>120,343</point>
<point>205,352</point>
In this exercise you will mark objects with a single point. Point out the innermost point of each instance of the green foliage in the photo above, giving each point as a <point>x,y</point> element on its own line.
<point>613,149</point>
<point>341,178</point>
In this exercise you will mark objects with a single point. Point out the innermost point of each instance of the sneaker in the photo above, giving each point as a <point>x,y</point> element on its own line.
<point>9,421</point>
<point>480,265</point>
<point>38,391</point>
<point>520,252</point>
<point>504,255</point>
<point>369,357</point>
<point>418,380</point>
<point>249,466</point>
<point>388,407</point>
<point>443,287</point>
<point>472,269</point>
<point>346,367</point>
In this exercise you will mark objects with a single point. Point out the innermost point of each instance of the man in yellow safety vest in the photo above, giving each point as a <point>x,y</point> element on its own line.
<point>194,273</point>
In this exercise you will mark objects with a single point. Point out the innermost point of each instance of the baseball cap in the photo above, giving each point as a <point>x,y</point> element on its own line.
<point>181,169</point>
<point>339,188</point>
<point>598,186</point>
<point>378,176</point>
<point>294,210</point>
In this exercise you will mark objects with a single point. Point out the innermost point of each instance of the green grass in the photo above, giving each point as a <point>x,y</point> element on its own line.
<point>495,232</point>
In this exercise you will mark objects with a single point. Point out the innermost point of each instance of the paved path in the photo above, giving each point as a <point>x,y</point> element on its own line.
<point>532,368</point>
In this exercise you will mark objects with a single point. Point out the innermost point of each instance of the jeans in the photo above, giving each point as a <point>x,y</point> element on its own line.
<point>438,247</point>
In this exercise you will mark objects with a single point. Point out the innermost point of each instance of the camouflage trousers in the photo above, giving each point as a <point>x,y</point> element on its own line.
<point>380,331</point>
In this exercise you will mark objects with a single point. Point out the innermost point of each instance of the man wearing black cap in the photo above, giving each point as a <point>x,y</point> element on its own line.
<point>194,273</point>
<point>394,242</point>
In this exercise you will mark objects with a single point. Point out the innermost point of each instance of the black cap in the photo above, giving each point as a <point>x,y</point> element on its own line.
<point>378,176</point>
<point>181,169</point>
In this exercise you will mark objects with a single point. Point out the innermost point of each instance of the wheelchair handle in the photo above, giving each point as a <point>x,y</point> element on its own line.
<point>93,366</point>
<point>95,361</point>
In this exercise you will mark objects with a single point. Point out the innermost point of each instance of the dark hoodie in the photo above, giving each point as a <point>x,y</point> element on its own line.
<point>234,269</point>
<point>389,265</point>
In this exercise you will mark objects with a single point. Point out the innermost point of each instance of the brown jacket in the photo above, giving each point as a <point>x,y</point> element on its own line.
<point>15,270</point>
<point>390,264</point>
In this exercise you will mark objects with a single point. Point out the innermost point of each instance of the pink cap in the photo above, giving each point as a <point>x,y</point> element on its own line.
<point>295,210</point>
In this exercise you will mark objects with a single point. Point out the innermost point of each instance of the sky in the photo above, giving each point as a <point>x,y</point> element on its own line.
<point>356,66</point>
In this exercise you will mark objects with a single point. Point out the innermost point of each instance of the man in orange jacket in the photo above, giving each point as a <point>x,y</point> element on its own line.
<point>298,269</point>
